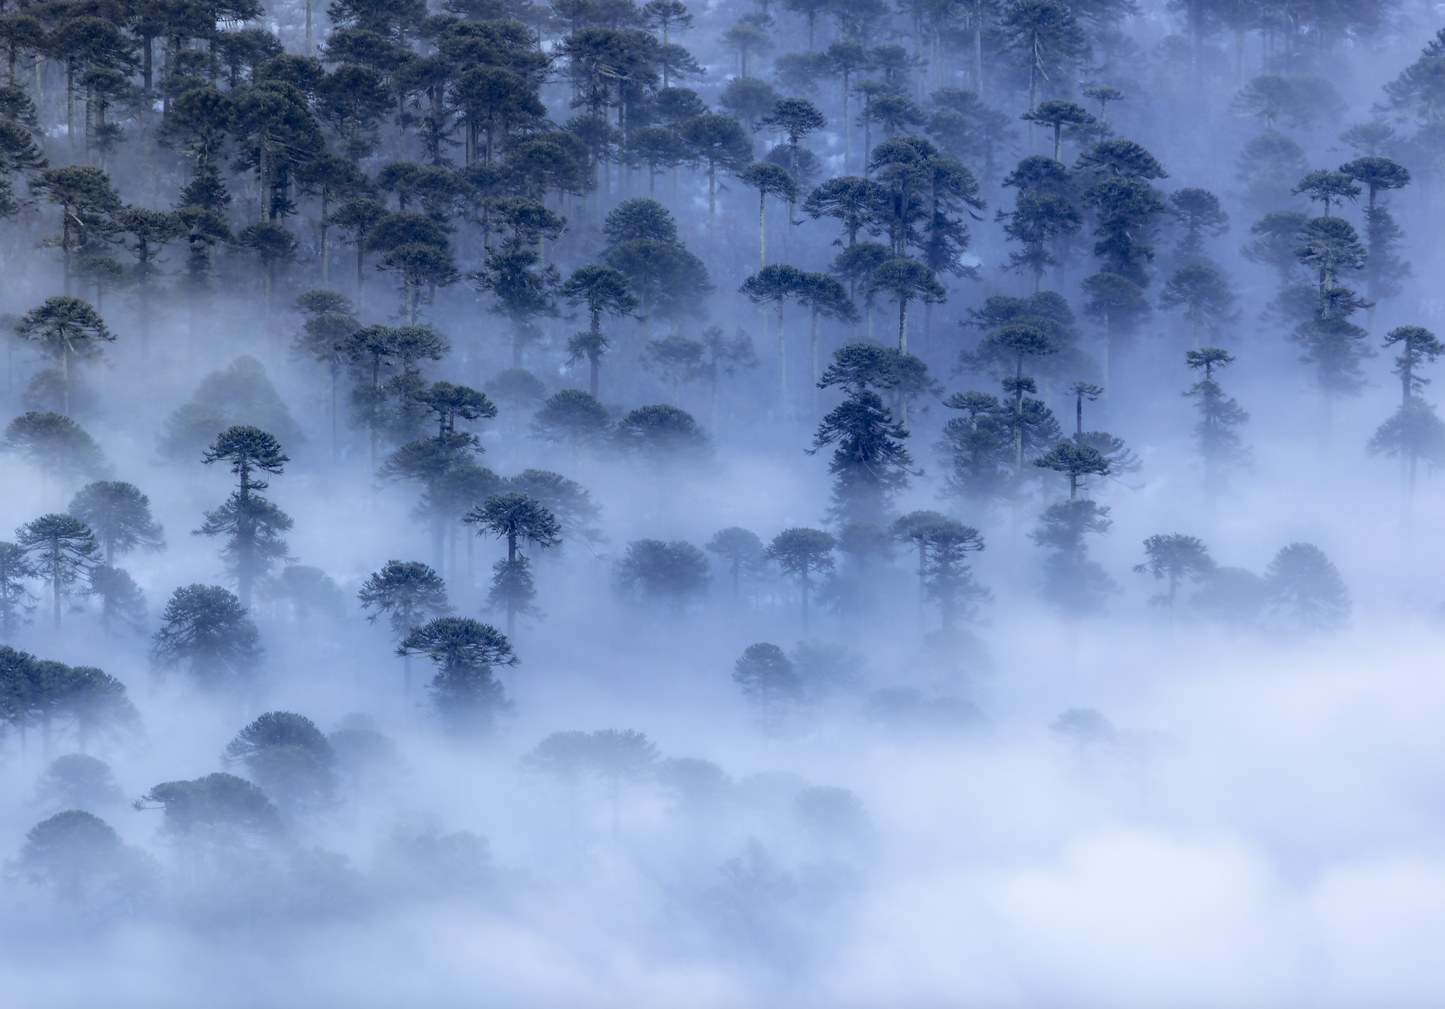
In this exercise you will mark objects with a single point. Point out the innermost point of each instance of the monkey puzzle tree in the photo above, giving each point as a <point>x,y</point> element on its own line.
<point>741,549</point>
<point>65,328</point>
<point>323,338</point>
<point>947,577</point>
<point>1383,269</point>
<point>409,593</point>
<point>120,516</point>
<point>1203,294</point>
<point>16,569</point>
<point>80,858</point>
<point>289,757</point>
<point>271,245</point>
<point>1304,590</point>
<point>870,463</point>
<point>206,628</point>
<point>775,284</point>
<point>801,553</point>
<point>769,180</point>
<point>1119,306</point>
<point>1072,582</point>
<point>120,597</point>
<point>1414,432</point>
<point>54,445</point>
<point>769,682</point>
<point>1177,558</point>
<point>674,572</point>
<point>514,517</point>
<point>1215,434</point>
<point>464,693</point>
<point>906,280</point>
<point>1075,461</point>
<point>1198,213</point>
<point>1327,188</point>
<point>251,524</point>
<point>719,146</point>
<point>977,447</point>
<point>602,290</point>
<point>64,548</point>
<point>1055,115</point>
<point>86,199</point>
<point>1043,39</point>
<point>724,355</point>
<point>676,359</point>
<point>574,418</point>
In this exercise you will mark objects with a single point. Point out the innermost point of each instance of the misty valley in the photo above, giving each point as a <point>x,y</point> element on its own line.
<point>745,504</point>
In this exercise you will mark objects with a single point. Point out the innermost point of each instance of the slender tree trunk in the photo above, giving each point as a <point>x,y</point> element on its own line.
<point>782,364</point>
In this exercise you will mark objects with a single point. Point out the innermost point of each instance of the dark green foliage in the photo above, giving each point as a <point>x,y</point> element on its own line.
<point>977,448</point>
<point>408,592</point>
<point>870,463</point>
<point>676,572</point>
<point>1304,590</point>
<point>1075,460</point>
<point>464,694</point>
<point>207,630</point>
<point>947,578</point>
<point>252,525</point>
<point>516,518</point>
<point>1124,208</point>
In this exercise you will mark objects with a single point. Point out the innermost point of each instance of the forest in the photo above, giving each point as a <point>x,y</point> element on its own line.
<point>756,503</point>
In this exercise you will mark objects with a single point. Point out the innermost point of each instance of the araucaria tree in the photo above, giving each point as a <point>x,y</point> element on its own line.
<point>252,525</point>
<point>206,629</point>
<point>1175,558</point>
<point>1219,416</point>
<point>63,548</point>
<point>803,553</point>
<point>120,516</point>
<point>516,518</point>
<point>870,463</point>
<point>769,682</point>
<point>1414,432</point>
<point>465,695</point>
<point>66,329</point>
<point>410,594</point>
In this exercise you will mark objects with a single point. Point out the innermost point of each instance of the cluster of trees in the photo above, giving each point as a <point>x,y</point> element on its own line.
<point>536,157</point>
